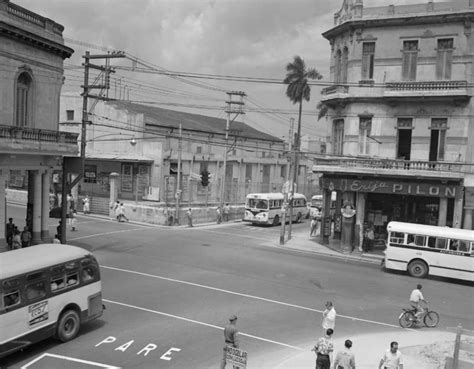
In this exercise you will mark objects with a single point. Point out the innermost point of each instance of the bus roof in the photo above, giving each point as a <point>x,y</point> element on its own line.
<point>32,258</point>
<point>428,230</point>
<point>272,196</point>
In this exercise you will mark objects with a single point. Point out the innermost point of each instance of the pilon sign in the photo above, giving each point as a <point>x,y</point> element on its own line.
<point>390,187</point>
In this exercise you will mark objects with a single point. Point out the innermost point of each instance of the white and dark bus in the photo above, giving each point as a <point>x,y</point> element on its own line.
<point>46,290</point>
<point>265,208</point>
<point>423,250</point>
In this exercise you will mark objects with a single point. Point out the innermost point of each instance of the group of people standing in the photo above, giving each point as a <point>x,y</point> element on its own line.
<point>345,358</point>
<point>119,209</point>
<point>17,239</point>
<point>223,214</point>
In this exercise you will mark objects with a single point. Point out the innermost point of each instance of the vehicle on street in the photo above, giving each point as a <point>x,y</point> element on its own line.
<point>266,208</point>
<point>408,319</point>
<point>46,290</point>
<point>316,206</point>
<point>430,250</point>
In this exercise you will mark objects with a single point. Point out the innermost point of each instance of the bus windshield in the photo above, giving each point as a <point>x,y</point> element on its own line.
<point>257,204</point>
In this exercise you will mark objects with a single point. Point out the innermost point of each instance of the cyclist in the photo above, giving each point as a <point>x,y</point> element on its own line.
<point>416,298</point>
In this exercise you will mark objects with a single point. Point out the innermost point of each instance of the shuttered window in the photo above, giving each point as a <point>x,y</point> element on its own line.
<point>338,136</point>
<point>365,126</point>
<point>368,53</point>
<point>344,65</point>
<point>23,100</point>
<point>409,60</point>
<point>444,58</point>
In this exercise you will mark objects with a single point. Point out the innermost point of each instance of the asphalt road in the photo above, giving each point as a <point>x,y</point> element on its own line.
<point>169,292</point>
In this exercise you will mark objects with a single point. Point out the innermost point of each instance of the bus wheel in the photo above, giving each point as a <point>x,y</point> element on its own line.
<point>68,325</point>
<point>276,220</point>
<point>418,269</point>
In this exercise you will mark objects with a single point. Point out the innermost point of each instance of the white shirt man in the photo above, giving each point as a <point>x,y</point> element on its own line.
<point>416,298</point>
<point>329,317</point>
<point>392,359</point>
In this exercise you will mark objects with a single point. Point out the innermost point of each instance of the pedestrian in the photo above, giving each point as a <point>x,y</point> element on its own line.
<point>74,221</point>
<point>59,230</point>
<point>189,216</point>
<point>116,208</point>
<point>314,227</point>
<point>370,238</point>
<point>16,241</point>
<point>86,205</point>
<point>219,215</point>
<point>231,338</point>
<point>392,358</point>
<point>345,359</point>
<point>56,239</point>
<point>323,349</point>
<point>329,317</point>
<point>25,237</point>
<point>121,213</point>
<point>10,232</point>
<point>226,212</point>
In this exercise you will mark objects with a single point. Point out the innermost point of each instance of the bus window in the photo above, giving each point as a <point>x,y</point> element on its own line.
<point>262,204</point>
<point>454,245</point>
<point>57,283</point>
<point>72,279</point>
<point>11,298</point>
<point>463,246</point>
<point>441,243</point>
<point>88,274</point>
<point>420,240</point>
<point>411,239</point>
<point>35,290</point>
<point>397,237</point>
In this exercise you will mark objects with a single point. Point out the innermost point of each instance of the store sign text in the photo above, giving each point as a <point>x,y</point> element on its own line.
<point>400,188</point>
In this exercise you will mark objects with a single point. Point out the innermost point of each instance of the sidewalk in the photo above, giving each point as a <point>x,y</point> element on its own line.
<point>368,349</point>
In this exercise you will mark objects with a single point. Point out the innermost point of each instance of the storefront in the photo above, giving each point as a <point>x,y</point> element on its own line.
<point>378,201</point>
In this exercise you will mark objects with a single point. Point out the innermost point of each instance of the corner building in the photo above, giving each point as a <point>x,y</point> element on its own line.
<point>32,52</point>
<point>400,118</point>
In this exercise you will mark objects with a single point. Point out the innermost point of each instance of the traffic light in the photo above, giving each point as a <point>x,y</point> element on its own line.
<point>204,178</point>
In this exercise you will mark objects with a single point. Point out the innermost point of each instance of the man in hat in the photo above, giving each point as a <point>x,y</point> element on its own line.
<point>230,337</point>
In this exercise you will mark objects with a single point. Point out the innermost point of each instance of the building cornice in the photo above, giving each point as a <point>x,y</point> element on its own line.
<point>18,34</point>
<point>399,21</point>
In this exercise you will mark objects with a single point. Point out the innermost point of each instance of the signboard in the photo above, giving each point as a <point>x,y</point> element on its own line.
<point>37,312</point>
<point>390,187</point>
<point>236,357</point>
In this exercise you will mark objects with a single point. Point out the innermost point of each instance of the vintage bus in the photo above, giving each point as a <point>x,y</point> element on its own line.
<point>265,208</point>
<point>423,249</point>
<point>46,290</point>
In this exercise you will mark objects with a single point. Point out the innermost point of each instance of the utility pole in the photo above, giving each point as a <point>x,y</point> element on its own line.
<point>178,181</point>
<point>230,110</point>
<point>287,181</point>
<point>85,120</point>
<point>295,170</point>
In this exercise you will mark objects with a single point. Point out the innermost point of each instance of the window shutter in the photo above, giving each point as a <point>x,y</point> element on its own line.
<point>442,141</point>
<point>448,63</point>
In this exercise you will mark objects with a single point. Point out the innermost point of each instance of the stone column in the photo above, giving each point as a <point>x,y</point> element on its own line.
<point>360,219</point>
<point>347,237</point>
<point>114,178</point>
<point>468,219</point>
<point>3,211</point>
<point>37,200</point>
<point>45,183</point>
<point>443,211</point>
<point>458,207</point>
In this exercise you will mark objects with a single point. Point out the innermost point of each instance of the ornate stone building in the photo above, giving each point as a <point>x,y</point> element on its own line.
<point>400,118</point>
<point>32,51</point>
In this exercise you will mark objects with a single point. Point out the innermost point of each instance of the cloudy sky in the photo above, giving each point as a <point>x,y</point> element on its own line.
<point>248,38</point>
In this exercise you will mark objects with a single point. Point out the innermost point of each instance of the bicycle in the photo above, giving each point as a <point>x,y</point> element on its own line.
<point>408,319</point>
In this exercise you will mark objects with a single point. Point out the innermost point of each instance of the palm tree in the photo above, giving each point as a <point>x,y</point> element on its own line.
<point>298,89</point>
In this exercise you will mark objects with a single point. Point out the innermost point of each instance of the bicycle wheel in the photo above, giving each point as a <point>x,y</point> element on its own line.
<point>431,319</point>
<point>406,319</point>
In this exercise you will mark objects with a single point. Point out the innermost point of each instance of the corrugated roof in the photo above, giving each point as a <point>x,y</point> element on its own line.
<point>189,121</point>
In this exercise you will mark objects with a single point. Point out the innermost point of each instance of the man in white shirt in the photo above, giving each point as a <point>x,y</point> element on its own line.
<point>329,317</point>
<point>392,359</point>
<point>416,298</point>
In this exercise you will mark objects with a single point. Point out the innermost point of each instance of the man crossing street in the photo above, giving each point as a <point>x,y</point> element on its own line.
<point>230,338</point>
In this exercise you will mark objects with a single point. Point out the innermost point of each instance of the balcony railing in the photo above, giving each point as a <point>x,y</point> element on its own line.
<point>39,135</point>
<point>394,164</point>
<point>412,86</point>
<point>38,20</point>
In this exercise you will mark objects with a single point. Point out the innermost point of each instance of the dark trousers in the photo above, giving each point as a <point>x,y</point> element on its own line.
<point>323,362</point>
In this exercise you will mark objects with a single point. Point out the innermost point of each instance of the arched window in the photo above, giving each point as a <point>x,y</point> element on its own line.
<point>23,99</point>
<point>344,65</point>
<point>337,71</point>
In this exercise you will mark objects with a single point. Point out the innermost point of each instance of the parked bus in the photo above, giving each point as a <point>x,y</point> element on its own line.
<point>46,290</point>
<point>265,208</point>
<point>423,249</point>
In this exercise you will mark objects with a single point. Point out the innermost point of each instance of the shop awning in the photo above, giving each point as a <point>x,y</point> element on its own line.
<point>136,158</point>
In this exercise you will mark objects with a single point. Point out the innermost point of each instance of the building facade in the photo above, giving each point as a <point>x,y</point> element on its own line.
<point>400,117</point>
<point>32,52</point>
<point>143,145</point>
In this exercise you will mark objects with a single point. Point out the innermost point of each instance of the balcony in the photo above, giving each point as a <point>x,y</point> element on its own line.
<point>456,91</point>
<point>393,168</point>
<point>24,140</point>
